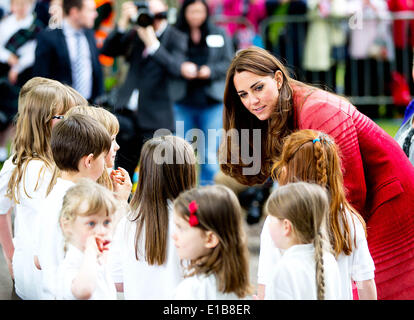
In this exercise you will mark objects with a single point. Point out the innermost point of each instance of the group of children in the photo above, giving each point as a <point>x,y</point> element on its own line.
<point>78,235</point>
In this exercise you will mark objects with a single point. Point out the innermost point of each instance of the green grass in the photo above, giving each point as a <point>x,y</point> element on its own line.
<point>391,126</point>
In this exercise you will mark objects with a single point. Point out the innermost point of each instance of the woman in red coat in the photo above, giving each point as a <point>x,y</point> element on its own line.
<point>378,176</point>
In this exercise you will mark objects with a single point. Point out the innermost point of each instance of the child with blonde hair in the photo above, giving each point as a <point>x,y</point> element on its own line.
<point>79,145</point>
<point>145,263</point>
<point>298,214</point>
<point>86,220</point>
<point>209,236</point>
<point>26,174</point>
<point>312,156</point>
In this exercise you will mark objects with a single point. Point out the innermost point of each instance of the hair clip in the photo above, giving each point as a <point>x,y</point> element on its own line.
<point>193,207</point>
<point>314,140</point>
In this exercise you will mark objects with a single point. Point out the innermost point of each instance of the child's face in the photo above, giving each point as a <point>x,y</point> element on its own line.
<point>189,241</point>
<point>278,232</point>
<point>21,8</point>
<point>96,225</point>
<point>110,157</point>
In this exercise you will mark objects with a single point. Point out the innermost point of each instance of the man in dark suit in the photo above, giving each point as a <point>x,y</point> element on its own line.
<point>155,54</point>
<point>69,54</point>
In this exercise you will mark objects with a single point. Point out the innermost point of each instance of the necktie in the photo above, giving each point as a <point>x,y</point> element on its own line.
<point>80,77</point>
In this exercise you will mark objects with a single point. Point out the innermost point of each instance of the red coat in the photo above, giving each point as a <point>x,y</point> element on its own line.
<point>379,179</point>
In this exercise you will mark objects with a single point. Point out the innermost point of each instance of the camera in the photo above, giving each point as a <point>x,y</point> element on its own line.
<point>144,17</point>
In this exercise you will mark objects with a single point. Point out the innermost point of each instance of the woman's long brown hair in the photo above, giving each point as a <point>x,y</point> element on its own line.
<point>318,161</point>
<point>219,211</point>
<point>167,167</point>
<point>236,116</point>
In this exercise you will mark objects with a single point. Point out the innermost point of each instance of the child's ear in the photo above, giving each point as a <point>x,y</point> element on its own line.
<point>87,160</point>
<point>211,240</point>
<point>65,226</point>
<point>287,227</point>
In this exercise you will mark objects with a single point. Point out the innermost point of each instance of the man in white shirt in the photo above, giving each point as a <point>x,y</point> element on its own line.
<point>69,54</point>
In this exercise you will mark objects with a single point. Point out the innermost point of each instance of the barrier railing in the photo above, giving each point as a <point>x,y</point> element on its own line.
<point>333,57</point>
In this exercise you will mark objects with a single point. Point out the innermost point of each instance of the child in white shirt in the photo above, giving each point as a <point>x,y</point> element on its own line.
<point>144,258</point>
<point>27,173</point>
<point>298,214</point>
<point>312,156</point>
<point>86,220</point>
<point>118,180</point>
<point>79,145</point>
<point>209,235</point>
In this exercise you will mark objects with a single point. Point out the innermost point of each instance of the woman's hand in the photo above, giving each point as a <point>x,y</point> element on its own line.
<point>204,72</point>
<point>189,70</point>
<point>13,75</point>
<point>13,60</point>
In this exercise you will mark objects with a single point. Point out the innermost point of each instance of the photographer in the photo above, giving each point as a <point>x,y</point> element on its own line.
<point>155,51</point>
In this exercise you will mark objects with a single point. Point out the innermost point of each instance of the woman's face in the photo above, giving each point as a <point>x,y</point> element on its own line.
<point>196,14</point>
<point>259,94</point>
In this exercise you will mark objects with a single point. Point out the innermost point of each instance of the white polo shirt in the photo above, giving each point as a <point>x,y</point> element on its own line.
<point>358,266</point>
<point>69,269</point>
<point>141,280</point>
<point>49,238</point>
<point>32,190</point>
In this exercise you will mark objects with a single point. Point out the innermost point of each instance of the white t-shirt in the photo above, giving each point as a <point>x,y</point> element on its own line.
<point>69,268</point>
<point>358,266</point>
<point>49,237</point>
<point>141,280</point>
<point>5,174</point>
<point>294,276</point>
<point>32,190</point>
<point>202,287</point>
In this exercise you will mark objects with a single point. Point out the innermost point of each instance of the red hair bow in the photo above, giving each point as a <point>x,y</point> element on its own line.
<point>193,207</point>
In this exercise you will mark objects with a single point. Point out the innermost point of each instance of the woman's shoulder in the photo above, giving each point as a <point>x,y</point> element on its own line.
<point>317,109</point>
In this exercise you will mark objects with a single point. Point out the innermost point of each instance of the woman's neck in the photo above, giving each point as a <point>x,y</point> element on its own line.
<point>195,34</point>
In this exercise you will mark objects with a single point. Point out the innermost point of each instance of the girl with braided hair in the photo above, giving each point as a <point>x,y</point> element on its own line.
<point>298,214</point>
<point>260,96</point>
<point>312,156</point>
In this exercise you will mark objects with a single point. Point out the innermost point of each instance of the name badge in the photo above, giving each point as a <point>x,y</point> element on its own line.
<point>215,41</point>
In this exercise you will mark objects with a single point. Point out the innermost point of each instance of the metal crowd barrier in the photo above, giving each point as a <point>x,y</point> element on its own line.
<point>363,81</point>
